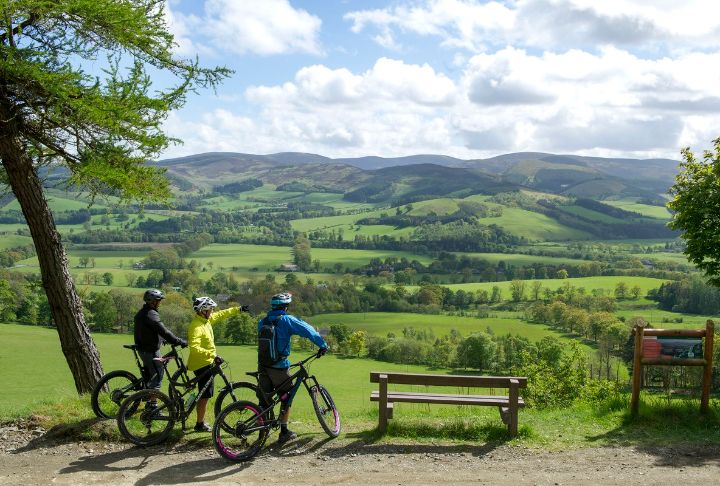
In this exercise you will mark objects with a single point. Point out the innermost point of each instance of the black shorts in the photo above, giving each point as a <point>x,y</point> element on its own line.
<point>201,382</point>
<point>270,378</point>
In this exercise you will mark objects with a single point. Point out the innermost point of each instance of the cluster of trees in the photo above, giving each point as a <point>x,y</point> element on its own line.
<point>238,187</point>
<point>641,229</point>
<point>691,294</point>
<point>469,212</point>
<point>557,373</point>
<point>23,300</point>
<point>10,256</point>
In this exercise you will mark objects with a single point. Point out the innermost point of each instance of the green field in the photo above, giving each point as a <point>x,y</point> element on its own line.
<point>534,226</point>
<point>592,215</point>
<point>382,323</point>
<point>35,373</point>
<point>589,283</point>
<point>268,258</point>
<point>657,212</point>
<point>679,258</point>
<point>12,241</point>
<point>522,259</point>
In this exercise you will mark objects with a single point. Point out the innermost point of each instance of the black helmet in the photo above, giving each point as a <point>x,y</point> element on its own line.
<point>152,295</point>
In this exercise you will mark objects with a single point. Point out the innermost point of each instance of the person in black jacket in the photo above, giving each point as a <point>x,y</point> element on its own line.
<point>150,334</point>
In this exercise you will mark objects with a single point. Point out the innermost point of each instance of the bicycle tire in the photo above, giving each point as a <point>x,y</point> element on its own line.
<point>326,410</point>
<point>112,390</point>
<point>244,392</point>
<point>240,444</point>
<point>135,420</point>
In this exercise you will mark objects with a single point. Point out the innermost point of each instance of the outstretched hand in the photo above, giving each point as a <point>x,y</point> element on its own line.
<point>219,360</point>
<point>322,351</point>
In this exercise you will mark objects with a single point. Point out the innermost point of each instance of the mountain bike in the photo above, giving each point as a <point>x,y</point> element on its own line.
<point>240,430</point>
<point>116,386</point>
<point>147,417</point>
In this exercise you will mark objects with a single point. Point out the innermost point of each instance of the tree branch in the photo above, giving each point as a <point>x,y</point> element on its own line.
<point>8,35</point>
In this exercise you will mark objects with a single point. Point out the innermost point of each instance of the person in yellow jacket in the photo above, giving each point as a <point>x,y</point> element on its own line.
<point>201,341</point>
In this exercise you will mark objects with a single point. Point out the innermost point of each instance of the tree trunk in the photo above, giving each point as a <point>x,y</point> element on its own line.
<point>65,305</point>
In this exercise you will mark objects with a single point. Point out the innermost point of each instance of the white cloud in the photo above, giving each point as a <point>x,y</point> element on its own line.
<point>261,27</point>
<point>609,103</point>
<point>549,24</point>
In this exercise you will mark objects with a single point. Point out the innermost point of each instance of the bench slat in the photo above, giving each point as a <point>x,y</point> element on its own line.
<point>442,398</point>
<point>448,380</point>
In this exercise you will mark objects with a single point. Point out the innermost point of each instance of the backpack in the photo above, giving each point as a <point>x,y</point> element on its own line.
<point>267,347</point>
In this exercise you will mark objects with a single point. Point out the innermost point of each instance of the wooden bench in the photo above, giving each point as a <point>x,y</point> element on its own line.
<point>507,405</point>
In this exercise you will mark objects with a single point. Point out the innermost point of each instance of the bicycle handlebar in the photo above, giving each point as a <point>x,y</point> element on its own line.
<point>306,360</point>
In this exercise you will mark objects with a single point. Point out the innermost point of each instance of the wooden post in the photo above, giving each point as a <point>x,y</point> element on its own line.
<point>382,402</point>
<point>637,370</point>
<point>707,372</point>
<point>513,405</point>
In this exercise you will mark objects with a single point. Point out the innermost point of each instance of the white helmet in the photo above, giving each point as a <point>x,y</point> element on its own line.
<point>203,303</point>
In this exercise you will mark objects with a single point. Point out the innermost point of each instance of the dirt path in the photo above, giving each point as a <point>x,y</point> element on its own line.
<point>31,457</point>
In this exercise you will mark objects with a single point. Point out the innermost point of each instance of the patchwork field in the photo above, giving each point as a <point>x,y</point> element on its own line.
<point>589,283</point>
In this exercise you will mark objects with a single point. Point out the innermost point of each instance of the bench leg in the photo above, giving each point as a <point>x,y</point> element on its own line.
<point>504,414</point>
<point>513,407</point>
<point>513,423</point>
<point>382,404</point>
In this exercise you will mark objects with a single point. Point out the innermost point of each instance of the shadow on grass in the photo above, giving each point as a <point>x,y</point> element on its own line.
<point>674,432</point>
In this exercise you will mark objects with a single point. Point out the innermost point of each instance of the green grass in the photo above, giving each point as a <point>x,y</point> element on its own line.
<point>522,259</point>
<point>679,258</point>
<point>268,258</point>
<point>656,317</point>
<point>12,241</point>
<point>36,381</point>
<point>657,212</point>
<point>35,374</point>
<point>592,215</point>
<point>440,207</point>
<point>589,283</point>
<point>534,226</point>
<point>382,323</point>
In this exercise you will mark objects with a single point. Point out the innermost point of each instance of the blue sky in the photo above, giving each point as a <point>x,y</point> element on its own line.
<point>466,78</point>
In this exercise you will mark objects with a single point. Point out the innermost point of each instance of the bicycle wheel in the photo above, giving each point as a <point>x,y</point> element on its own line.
<point>247,435</point>
<point>141,423</point>
<point>243,391</point>
<point>325,409</point>
<point>111,390</point>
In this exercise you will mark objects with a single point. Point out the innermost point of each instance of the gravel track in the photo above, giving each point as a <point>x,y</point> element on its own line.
<point>29,456</point>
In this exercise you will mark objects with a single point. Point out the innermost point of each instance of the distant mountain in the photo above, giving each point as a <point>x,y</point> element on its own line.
<point>425,174</point>
<point>372,163</point>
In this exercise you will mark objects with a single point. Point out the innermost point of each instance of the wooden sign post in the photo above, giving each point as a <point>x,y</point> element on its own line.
<point>664,360</point>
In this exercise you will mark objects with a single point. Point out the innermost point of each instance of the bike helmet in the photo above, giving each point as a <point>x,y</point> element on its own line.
<point>203,303</point>
<point>152,295</point>
<point>281,299</point>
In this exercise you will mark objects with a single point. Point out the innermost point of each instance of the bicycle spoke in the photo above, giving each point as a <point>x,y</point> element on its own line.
<point>243,434</point>
<point>146,418</point>
<point>325,410</point>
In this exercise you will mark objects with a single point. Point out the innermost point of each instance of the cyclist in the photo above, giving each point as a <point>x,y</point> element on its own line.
<point>273,363</point>
<point>202,349</point>
<point>150,333</point>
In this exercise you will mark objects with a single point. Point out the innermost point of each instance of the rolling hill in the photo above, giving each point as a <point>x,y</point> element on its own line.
<point>381,179</point>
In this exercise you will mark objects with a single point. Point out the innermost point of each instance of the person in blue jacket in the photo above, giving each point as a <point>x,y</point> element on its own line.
<point>274,333</point>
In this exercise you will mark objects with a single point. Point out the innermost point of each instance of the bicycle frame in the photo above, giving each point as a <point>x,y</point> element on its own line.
<point>302,376</point>
<point>190,384</point>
